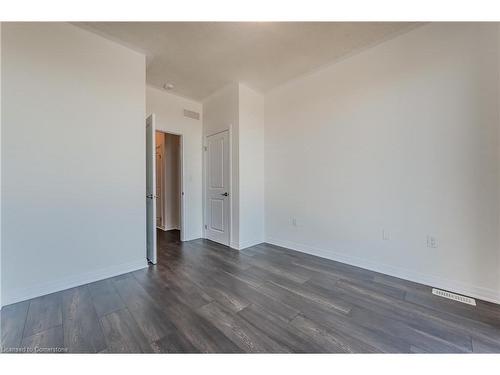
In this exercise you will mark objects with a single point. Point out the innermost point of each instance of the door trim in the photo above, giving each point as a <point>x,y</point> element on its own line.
<point>153,257</point>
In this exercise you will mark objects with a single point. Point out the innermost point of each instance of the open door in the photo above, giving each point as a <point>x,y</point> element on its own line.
<point>151,189</point>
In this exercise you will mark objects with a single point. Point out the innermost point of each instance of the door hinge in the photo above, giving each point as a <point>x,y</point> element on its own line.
<point>205,148</point>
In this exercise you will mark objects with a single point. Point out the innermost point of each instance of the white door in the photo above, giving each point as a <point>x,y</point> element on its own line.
<point>217,194</point>
<point>150,189</point>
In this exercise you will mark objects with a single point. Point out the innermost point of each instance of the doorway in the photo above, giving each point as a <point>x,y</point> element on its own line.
<point>164,189</point>
<point>168,181</point>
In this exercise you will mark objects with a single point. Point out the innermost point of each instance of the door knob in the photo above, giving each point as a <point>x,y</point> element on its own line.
<point>225,194</point>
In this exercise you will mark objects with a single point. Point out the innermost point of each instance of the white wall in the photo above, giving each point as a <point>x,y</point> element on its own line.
<point>403,137</point>
<point>73,164</point>
<point>0,165</point>
<point>251,167</point>
<point>169,109</point>
<point>241,111</point>
<point>498,153</point>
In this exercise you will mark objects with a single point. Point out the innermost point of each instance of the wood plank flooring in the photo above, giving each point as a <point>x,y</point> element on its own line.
<point>205,297</point>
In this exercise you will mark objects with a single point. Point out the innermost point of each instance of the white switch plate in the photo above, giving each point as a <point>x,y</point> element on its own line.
<point>386,235</point>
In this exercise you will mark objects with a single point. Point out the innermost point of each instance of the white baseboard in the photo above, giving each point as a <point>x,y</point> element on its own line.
<point>174,227</point>
<point>474,291</point>
<point>22,294</point>
<point>192,238</point>
<point>165,229</point>
<point>245,244</point>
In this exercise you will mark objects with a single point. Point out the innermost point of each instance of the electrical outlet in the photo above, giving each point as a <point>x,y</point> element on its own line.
<point>385,235</point>
<point>432,242</point>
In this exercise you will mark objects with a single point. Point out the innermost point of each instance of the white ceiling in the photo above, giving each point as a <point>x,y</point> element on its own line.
<point>201,57</point>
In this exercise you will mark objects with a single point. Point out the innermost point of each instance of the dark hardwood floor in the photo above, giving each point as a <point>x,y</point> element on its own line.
<point>204,297</point>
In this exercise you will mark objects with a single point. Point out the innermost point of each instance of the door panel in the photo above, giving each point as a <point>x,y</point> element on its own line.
<point>217,193</point>
<point>217,214</point>
<point>216,163</point>
<point>150,189</point>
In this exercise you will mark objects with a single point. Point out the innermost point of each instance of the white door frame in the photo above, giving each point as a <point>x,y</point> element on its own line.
<point>181,177</point>
<point>150,196</point>
<point>205,168</point>
<point>159,194</point>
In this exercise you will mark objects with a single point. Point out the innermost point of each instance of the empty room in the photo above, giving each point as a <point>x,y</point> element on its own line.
<point>250,187</point>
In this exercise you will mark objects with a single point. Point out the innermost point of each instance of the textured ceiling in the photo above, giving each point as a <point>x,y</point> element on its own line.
<point>201,57</point>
